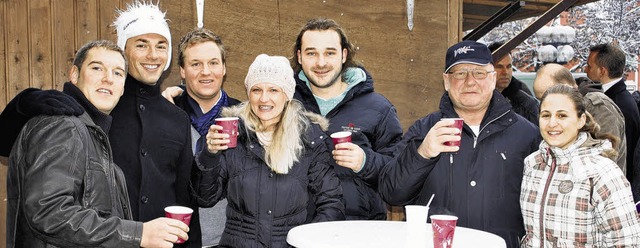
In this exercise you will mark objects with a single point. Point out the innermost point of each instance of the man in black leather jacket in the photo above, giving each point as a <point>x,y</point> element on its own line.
<point>63,186</point>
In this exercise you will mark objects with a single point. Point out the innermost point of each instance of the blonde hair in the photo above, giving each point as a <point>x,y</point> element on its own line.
<point>285,148</point>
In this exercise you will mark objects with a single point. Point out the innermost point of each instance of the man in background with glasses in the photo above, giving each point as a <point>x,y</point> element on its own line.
<point>479,179</point>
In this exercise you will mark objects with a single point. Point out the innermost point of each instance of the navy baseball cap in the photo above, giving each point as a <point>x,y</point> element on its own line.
<point>468,52</point>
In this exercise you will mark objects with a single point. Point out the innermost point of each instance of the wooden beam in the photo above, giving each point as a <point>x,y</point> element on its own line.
<point>504,3</point>
<point>63,41</point>
<point>3,64</point>
<point>40,64</point>
<point>495,20</point>
<point>17,45</point>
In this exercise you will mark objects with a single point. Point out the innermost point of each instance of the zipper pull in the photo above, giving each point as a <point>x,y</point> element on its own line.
<point>503,156</point>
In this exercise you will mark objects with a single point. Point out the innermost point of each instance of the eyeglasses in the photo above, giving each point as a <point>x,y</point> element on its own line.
<point>477,74</point>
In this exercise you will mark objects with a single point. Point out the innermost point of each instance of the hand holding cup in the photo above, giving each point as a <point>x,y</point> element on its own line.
<point>346,154</point>
<point>229,126</point>
<point>440,137</point>
<point>163,232</point>
<point>180,213</point>
<point>216,140</point>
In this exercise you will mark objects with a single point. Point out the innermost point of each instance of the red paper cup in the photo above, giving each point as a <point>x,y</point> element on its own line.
<point>230,127</point>
<point>341,137</point>
<point>179,213</point>
<point>458,124</point>
<point>444,226</point>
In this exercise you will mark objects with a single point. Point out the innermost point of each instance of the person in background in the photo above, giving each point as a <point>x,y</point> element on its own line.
<point>515,91</point>
<point>603,110</point>
<point>150,137</point>
<point>202,59</point>
<point>330,82</point>
<point>280,161</point>
<point>585,85</point>
<point>573,194</point>
<point>63,188</point>
<point>605,66</point>
<point>478,181</point>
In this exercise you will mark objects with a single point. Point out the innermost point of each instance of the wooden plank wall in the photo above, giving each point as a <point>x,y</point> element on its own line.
<point>38,39</point>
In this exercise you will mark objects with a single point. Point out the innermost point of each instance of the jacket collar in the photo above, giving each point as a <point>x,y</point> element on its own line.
<point>134,87</point>
<point>101,119</point>
<point>618,87</point>
<point>584,145</point>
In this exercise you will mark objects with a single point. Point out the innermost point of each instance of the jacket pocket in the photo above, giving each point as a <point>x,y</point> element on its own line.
<point>97,194</point>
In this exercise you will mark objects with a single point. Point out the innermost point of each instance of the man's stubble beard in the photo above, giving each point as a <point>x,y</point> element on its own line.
<point>331,83</point>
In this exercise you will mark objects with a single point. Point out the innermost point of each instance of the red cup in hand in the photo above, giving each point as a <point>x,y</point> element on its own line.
<point>457,124</point>
<point>341,137</point>
<point>230,127</point>
<point>179,213</point>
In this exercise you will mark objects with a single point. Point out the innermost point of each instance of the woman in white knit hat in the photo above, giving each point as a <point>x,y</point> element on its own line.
<point>280,164</point>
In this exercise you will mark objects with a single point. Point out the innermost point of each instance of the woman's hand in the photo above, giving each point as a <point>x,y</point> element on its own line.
<point>216,139</point>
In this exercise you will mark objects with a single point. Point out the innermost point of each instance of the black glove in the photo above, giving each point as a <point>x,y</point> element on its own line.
<point>34,102</point>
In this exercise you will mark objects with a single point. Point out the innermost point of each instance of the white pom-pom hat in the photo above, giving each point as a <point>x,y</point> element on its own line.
<point>142,18</point>
<point>271,69</point>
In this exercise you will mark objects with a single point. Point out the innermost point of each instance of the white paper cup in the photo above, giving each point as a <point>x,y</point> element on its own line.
<point>416,214</point>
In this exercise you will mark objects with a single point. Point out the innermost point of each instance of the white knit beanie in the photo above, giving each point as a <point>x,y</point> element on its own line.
<point>142,18</point>
<point>271,69</point>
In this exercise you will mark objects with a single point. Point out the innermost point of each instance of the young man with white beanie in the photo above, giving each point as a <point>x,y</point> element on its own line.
<point>278,168</point>
<point>151,138</point>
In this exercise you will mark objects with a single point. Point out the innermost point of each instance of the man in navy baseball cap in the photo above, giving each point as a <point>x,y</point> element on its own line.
<point>478,178</point>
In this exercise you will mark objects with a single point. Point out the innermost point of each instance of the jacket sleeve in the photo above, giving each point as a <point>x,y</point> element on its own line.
<point>324,185</point>
<point>616,214</point>
<point>53,168</point>
<point>402,178</point>
<point>208,180</point>
<point>388,133</point>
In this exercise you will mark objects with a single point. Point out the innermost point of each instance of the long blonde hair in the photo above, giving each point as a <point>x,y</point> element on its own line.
<point>285,148</point>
